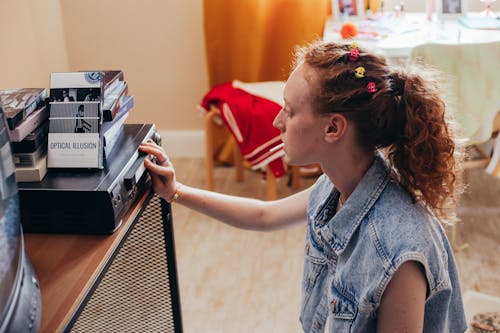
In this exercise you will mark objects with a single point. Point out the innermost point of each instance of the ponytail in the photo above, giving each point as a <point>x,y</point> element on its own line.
<point>426,159</point>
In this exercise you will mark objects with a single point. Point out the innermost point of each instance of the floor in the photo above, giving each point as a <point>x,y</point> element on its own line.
<point>241,281</point>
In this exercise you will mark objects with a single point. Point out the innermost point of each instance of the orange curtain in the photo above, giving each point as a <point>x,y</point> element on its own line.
<point>254,40</point>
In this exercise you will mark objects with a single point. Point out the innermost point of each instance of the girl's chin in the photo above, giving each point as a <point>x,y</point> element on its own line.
<point>291,162</point>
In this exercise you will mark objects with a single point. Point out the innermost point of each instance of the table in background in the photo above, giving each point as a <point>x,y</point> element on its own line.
<point>398,36</point>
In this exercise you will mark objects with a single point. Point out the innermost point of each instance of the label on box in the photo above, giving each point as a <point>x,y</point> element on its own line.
<point>71,150</point>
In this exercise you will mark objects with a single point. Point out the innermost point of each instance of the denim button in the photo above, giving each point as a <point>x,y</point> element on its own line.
<point>333,305</point>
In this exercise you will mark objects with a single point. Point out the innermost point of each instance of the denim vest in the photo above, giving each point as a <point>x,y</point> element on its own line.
<point>351,256</point>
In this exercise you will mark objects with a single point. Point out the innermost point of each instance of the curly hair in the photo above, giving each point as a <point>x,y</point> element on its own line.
<point>406,119</point>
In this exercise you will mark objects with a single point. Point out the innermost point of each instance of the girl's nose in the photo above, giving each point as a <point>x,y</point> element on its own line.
<point>277,123</point>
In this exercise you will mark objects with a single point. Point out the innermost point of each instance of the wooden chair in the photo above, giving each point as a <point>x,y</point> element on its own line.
<point>494,158</point>
<point>271,186</point>
<point>486,159</point>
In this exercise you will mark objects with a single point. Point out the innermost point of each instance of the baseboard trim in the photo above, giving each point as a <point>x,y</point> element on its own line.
<point>183,143</point>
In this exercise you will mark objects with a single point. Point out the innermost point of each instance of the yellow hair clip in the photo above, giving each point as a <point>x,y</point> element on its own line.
<point>359,72</point>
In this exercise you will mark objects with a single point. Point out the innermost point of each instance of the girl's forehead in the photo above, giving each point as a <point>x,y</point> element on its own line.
<point>299,82</point>
<point>303,71</point>
<point>297,78</point>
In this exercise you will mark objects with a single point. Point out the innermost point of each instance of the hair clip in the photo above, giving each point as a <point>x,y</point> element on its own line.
<point>371,87</point>
<point>359,72</point>
<point>353,52</point>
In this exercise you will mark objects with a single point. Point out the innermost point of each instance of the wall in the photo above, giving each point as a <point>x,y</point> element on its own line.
<point>32,43</point>
<point>159,45</point>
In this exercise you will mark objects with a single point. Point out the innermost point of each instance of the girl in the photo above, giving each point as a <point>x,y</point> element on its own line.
<point>376,256</point>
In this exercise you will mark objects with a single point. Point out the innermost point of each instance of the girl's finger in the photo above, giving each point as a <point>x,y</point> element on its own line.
<point>165,170</point>
<point>158,153</point>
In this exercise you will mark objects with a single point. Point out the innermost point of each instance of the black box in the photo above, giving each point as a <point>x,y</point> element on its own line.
<point>89,201</point>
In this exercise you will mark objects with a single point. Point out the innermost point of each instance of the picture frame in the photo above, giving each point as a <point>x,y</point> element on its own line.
<point>451,8</point>
<point>343,9</point>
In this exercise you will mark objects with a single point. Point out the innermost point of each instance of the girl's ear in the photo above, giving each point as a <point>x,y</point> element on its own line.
<point>335,127</point>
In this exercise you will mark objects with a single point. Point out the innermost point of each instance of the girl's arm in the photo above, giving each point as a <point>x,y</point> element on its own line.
<point>403,302</point>
<point>240,212</point>
<point>246,213</point>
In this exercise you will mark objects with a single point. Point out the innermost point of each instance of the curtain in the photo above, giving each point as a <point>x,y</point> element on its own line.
<point>254,40</point>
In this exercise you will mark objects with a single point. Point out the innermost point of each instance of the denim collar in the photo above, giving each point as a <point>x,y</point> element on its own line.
<point>342,226</point>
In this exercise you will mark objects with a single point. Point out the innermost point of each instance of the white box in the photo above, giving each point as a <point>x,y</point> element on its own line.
<point>475,303</point>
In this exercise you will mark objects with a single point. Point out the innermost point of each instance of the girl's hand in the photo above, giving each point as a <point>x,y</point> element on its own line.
<point>161,170</point>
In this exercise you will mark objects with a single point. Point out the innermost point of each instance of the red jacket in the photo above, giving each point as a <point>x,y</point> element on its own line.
<point>250,120</point>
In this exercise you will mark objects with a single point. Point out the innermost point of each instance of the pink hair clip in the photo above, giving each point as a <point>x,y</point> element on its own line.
<point>371,87</point>
<point>353,52</point>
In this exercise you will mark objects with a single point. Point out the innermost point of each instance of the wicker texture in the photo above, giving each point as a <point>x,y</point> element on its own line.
<point>134,294</point>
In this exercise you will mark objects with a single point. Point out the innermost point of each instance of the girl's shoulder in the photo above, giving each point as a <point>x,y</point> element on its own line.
<point>404,230</point>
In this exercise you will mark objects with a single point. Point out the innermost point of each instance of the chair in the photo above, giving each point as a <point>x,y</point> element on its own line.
<point>486,156</point>
<point>212,119</point>
<point>494,159</point>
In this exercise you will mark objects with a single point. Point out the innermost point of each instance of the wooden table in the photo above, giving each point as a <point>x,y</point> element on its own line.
<point>69,266</point>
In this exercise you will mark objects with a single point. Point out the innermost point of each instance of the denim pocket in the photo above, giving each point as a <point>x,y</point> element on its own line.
<point>315,266</point>
<point>342,311</point>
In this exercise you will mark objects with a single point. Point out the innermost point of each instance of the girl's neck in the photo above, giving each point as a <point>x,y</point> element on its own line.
<point>347,174</point>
